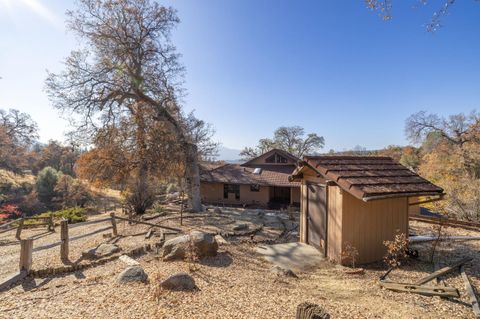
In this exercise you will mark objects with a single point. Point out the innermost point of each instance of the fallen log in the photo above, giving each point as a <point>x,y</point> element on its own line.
<point>443,271</point>
<point>471,293</point>
<point>422,290</point>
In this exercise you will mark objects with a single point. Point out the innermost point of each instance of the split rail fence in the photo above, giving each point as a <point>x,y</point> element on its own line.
<point>26,245</point>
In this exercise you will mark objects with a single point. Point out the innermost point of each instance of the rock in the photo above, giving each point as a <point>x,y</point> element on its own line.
<point>100,251</point>
<point>220,240</point>
<point>173,196</point>
<point>180,281</point>
<point>217,211</point>
<point>283,272</point>
<point>129,261</point>
<point>132,274</point>
<point>175,248</point>
<point>203,245</point>
<point>240,227</point>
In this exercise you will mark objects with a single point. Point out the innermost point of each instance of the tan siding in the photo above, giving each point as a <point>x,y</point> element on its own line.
<point>303,206</point>
<point>213,193</point>
<point>367,225</point>
<point>303,213</point>
<point>334,227</point>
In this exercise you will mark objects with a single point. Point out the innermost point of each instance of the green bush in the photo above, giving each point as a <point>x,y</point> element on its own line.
<point>73,215</point>
<point>45,184</point>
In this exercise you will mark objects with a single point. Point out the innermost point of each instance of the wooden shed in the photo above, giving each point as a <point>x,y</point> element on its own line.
<point>357,200</point>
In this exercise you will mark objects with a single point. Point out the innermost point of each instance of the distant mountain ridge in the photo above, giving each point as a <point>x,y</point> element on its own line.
<point>229,155</point>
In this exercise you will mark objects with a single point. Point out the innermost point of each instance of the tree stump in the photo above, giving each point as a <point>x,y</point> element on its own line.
<point>309,310</point>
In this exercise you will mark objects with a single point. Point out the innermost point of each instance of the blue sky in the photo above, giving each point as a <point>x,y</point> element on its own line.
<point>333,67</point>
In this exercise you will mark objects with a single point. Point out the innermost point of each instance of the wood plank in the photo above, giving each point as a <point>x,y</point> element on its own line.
<point>114,225</point>
<point>19,229</point>
<point>471,293</point>
<point>64,239</point>
<point>443,271</point>
<point>26,247</point>
<point>422,290</point>
<point>149,224</point>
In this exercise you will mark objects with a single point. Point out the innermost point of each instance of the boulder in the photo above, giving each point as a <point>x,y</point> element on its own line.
<point>217,211</point>
<point>175,248</point>
<point>283,272</point>
<point>180,281</point>
<point>100,251</point>
<point>203,245</point>
<point>132,274</point>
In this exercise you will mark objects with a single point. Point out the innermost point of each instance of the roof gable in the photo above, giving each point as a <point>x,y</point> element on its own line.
<point>371,177</point>
<point>287,158</point>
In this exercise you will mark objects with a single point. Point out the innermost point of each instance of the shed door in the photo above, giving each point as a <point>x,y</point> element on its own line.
<point>317,216</point>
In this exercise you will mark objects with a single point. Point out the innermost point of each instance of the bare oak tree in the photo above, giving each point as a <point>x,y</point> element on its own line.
<point>127,71</point>
<point>291,139</point>
<point>17,132</point>
<point>435,23</point>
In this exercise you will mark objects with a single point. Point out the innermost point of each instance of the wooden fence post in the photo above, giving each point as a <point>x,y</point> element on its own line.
<point>64,239</point>
<point>19,228</point>
<point>26,247</point>
<point>51,224</point>
<point>130,216</point>
<point>114,225</point>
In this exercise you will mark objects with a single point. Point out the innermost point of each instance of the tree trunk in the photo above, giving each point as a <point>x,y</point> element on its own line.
<point>141,198</point>
<point>192,178</point>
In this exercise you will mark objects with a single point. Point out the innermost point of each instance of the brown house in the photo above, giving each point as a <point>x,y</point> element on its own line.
<point>262,181</point>
<point>355,200</point>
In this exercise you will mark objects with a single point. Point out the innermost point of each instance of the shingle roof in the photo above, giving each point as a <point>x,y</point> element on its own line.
<point>271,175</point>
<point>372,177</point>
<point>275,150</point>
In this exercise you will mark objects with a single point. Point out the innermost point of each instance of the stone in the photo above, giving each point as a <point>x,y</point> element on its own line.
<point>175,248</point>
<point>129,261</point>
<point>100,251</point>
<point>283,272</point>
<point>132,274</point>
<point>217,211</point>
<point>180,281</point>
<point>240,227</point>
<point>203,245</point>
<point>220,240</point>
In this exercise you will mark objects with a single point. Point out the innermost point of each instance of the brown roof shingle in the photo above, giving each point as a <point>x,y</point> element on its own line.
<point>371,177</point>
<point>271,175</point>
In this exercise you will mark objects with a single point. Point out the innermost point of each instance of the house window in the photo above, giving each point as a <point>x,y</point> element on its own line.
<point>231,188</point>
<point>275,158</point>
<point>255,188</point>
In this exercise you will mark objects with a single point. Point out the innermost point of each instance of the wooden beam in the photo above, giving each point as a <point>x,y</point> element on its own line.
<point>114,225</point>
<point>149,224</point>
<point>51,224</point>
<point>471,293</point>
<point>64,239</point>
<point>443,271</point>
<point>19,228</point>
<point>26,247</point>
<point>422,290</point>
<point>430,200</point>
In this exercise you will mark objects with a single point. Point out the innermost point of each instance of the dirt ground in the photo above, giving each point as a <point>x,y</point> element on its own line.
<point>237,283</point>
